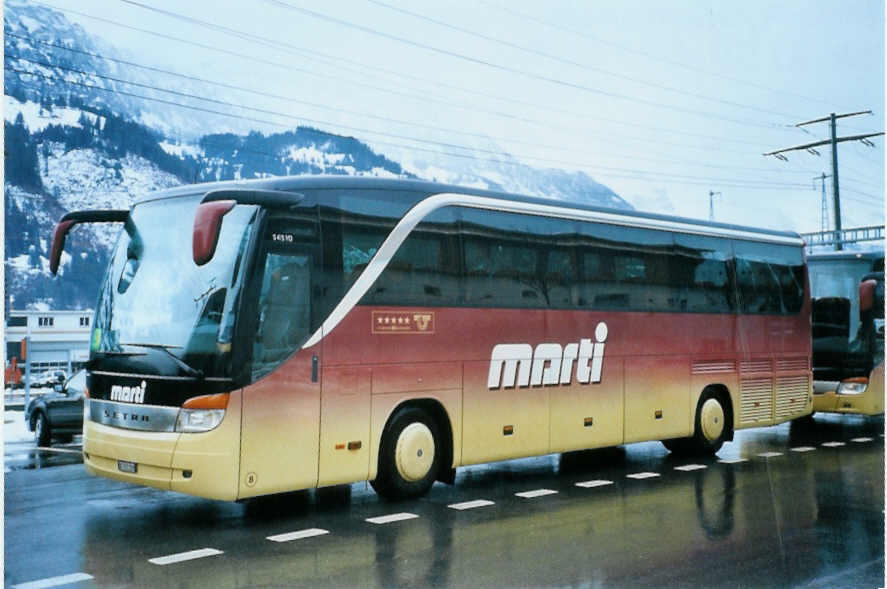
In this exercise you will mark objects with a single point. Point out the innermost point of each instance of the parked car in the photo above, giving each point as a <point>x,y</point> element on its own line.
<point>50,378</point>
<point>58,415</point>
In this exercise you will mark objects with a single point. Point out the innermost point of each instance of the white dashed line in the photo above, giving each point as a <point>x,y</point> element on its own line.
<point>54,581</point>
<point>298,535</point>
<point>394,517</point>
<point>833,444</point>
<point>861,440</point>
<point>769,454</point>
<point>689,467</point>
<point>803,449</point>
<point>591,484</point>
<point>536,493</point>
<point>643,475</point>
<point>733,460</point>
<point>183,556</point>
<point>470,504</point>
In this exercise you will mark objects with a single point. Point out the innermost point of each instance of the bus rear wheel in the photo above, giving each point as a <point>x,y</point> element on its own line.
<point>711,428</point>
<point>409,455</point>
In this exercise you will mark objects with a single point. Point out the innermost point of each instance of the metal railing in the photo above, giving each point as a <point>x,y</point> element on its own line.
<point>844,236</point>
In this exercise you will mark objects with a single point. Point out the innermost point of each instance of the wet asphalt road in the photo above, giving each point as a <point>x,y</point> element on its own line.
<point>802,517</point>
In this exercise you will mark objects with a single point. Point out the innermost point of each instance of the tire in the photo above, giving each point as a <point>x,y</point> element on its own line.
<point>711,427</point>
<point>677,445</point>
<point>409,455</point>
<point>42,430</point>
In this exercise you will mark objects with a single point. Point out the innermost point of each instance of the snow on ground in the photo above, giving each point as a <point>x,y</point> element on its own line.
<point>181,149</point>
<point>14,427</point>
<point>37,119</point>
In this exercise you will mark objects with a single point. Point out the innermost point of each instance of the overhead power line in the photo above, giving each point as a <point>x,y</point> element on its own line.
<point>290,99</point>
<point>481,62</point>
<point>810,147</point>
<point>567,61</point>
<point>611,171</point>
<point>425,97</point>
<point>657,58</point>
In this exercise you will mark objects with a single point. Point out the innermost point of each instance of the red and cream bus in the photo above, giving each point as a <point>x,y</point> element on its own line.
<point>265,336</point>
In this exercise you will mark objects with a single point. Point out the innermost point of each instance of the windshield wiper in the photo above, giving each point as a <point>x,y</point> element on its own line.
<point>166,348</point>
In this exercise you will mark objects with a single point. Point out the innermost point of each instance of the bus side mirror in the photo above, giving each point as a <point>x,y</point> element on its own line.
<point>207,226</point>
<point>58,244</point>
<point>867,295</point>
<point>71,219</point>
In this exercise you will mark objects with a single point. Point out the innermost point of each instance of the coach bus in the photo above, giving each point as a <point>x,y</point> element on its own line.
<point>258,337</point>
<point>848,332</point>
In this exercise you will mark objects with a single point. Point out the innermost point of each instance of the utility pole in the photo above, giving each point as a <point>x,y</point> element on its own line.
<point>823,217</point>
<point>834,143</point>
<point>836,204</point>
<point>711,204</point>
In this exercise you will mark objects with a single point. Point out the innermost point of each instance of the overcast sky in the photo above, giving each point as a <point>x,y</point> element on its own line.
<point>661,101</point>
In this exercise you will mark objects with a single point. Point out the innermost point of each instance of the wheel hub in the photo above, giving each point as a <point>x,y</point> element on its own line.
<point>414,453</point>
<point>712,420</point>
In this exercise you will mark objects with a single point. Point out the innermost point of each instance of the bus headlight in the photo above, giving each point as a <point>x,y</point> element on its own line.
<point>853,386</point>
<point>201,414</point>
<point>199,420</point>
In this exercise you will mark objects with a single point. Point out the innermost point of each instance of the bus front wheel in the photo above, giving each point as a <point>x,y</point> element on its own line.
<point>409,455</point>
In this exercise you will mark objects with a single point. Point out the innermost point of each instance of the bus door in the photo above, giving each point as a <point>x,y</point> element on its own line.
<point>281,409</point>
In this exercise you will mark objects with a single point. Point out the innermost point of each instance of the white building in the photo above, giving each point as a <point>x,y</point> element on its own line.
<point>59,339</point>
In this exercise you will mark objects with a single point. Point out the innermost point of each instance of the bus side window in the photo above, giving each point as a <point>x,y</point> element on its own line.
<point>284,321</point>
<point>425,270</point>
<point>703,267</point>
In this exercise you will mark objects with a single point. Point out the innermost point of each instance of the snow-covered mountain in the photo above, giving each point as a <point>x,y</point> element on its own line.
<point>77,141</point>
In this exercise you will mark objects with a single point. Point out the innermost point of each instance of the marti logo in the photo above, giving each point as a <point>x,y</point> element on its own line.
<point>548,363</point>
<point>129,394</point>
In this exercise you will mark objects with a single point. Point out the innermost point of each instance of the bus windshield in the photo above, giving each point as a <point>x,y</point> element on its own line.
<point>155,296</point>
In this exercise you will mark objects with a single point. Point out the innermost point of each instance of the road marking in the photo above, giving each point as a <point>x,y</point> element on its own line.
<point>642,475</point>
<point>803,449</point>
<point>733,460</point>
<point>394,517</point>
<point>183,556</point>
<point>689,467</point>
<point>536,493</point>
<point>591,484</point>
<point>833,444</point>
<point>769,454</point>
<point>861,440</point>
<point>298,535</point>
<point>470,504</point>
<point>54,581</point>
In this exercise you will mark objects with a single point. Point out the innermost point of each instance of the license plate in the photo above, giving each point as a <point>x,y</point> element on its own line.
<point>124,466</point>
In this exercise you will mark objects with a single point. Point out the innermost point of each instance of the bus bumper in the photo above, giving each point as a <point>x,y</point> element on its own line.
<point>202,464</point>
<point>871,402</point>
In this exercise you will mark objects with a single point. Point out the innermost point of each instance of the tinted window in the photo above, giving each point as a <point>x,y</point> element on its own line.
<point>425,270</point>
<point>702,267</point>
<point>286,316</point>
<point>627,268</point>
<point>769,277</point>
<point>513,260</point>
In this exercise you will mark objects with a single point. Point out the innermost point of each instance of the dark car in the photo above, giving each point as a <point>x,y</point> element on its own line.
<point>58,415</point>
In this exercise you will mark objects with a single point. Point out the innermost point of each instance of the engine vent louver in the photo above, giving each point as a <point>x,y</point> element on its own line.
<point>792,364</point>
<point>756,400</point>
<point>759,365</point>
<point>791,395</point>
<point>713,366</point>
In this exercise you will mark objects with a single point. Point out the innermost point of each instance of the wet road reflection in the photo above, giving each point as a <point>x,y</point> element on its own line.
<point>795,518</point>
